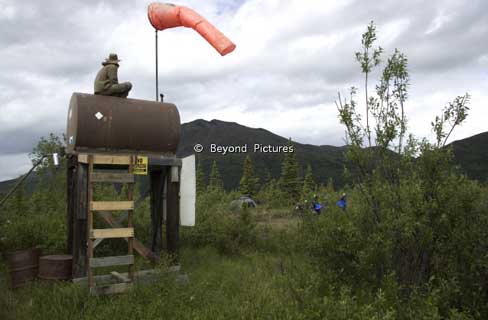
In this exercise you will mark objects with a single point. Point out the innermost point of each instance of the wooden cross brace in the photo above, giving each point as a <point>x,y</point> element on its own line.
<point>117,223</point>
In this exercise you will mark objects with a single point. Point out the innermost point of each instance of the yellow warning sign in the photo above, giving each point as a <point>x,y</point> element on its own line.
<point>140,167</point>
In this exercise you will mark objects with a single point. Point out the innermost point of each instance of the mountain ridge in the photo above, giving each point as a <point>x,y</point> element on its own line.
<point>327,161</point>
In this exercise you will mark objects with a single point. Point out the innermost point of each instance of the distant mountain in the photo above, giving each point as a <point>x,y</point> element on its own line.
<point>471,154</point>
<point>7,185</point>
<point>326,161</point>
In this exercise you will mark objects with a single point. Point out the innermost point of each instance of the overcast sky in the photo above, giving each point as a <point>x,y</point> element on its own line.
<point>291,59</point>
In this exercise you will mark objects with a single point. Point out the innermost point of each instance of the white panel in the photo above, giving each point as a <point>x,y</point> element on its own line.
<point>188,192</point>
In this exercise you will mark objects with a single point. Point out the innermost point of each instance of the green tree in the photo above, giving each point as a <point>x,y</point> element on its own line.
<point>38,217</point>
<point>249,183</point>
<point>46,147</point>
<point>330,185</point>
<point>368,58</point>
<point>215,180</point>
<point>50,190</point>
<point>410,213</point>
<point>290,182</point>
<point>308,186</point>
<point>200,179</point>
<point>267,178</point>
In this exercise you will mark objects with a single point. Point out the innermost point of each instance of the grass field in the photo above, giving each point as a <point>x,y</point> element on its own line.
<point>248,285</point>
<point>250,264</point>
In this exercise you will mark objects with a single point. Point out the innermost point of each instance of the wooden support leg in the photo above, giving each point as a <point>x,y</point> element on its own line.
<point>71,207</point>
<point>157,177</point>
<point>173,213</point>
<point>80,200</point>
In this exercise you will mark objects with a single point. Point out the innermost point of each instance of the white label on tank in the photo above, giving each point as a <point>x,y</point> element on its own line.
<point>70,113</point>
<point>98,115</point>
<point>71,140</point>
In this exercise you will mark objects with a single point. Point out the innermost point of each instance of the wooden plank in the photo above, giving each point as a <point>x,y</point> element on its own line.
<point>140,275</point>
<point>112,177</point>
<point>119,276</point>
<point>83,158</point>
<point>160,162</point>
<point>111,261</point>
<point>105,159</point>
<point>111,289</point>
<point>110,159</point>
<point>112,233</point>
<point>111,205</point>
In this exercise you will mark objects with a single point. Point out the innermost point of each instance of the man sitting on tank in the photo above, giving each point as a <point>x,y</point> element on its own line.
<point>107,82</point>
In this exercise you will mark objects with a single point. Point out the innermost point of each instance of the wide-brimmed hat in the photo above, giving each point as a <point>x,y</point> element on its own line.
<point>112,58</point>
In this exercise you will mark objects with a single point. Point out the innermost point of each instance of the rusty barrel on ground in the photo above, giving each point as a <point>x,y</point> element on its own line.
<point>55,267</point>
<point>98,124</point>
<point>23,266</point>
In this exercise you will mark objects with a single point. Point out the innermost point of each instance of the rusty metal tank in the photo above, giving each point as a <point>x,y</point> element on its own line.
<point>55,267</point>
<point>23,266</point>
<point>121,125</point>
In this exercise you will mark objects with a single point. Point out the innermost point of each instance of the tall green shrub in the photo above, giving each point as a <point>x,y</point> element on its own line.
<point>410,214</point>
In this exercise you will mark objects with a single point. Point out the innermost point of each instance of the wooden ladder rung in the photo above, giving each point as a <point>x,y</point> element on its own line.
<point>96,235</point>
<point>111,261</point>
<point>112,233</point>
<point>112,177</point>
<point>111,205</point>
<point>106,159</point>
<point>111,289</point>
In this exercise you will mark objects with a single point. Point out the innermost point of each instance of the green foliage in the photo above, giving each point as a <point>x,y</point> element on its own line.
<point>272,195</point>
<point>38,218</point>
<point>47,146</point>
<point>249,183</point>
<point>412,217</point>
<point>215,180</point>
<point>368,60</point>
<point>308,184</point>
<point>229,232</point>
<point>453,114</point>
<point>290,182</point>
<point>200,179</point>
<point>255,286</point>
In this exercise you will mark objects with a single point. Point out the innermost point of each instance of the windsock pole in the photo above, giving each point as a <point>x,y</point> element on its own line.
<point>157,71</point>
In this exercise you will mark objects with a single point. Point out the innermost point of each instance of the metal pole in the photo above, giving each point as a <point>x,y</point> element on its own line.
<point>157,71</point>
<point>19,182</point>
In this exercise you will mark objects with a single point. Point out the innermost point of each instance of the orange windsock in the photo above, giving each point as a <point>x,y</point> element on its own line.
<point>165,15</point>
